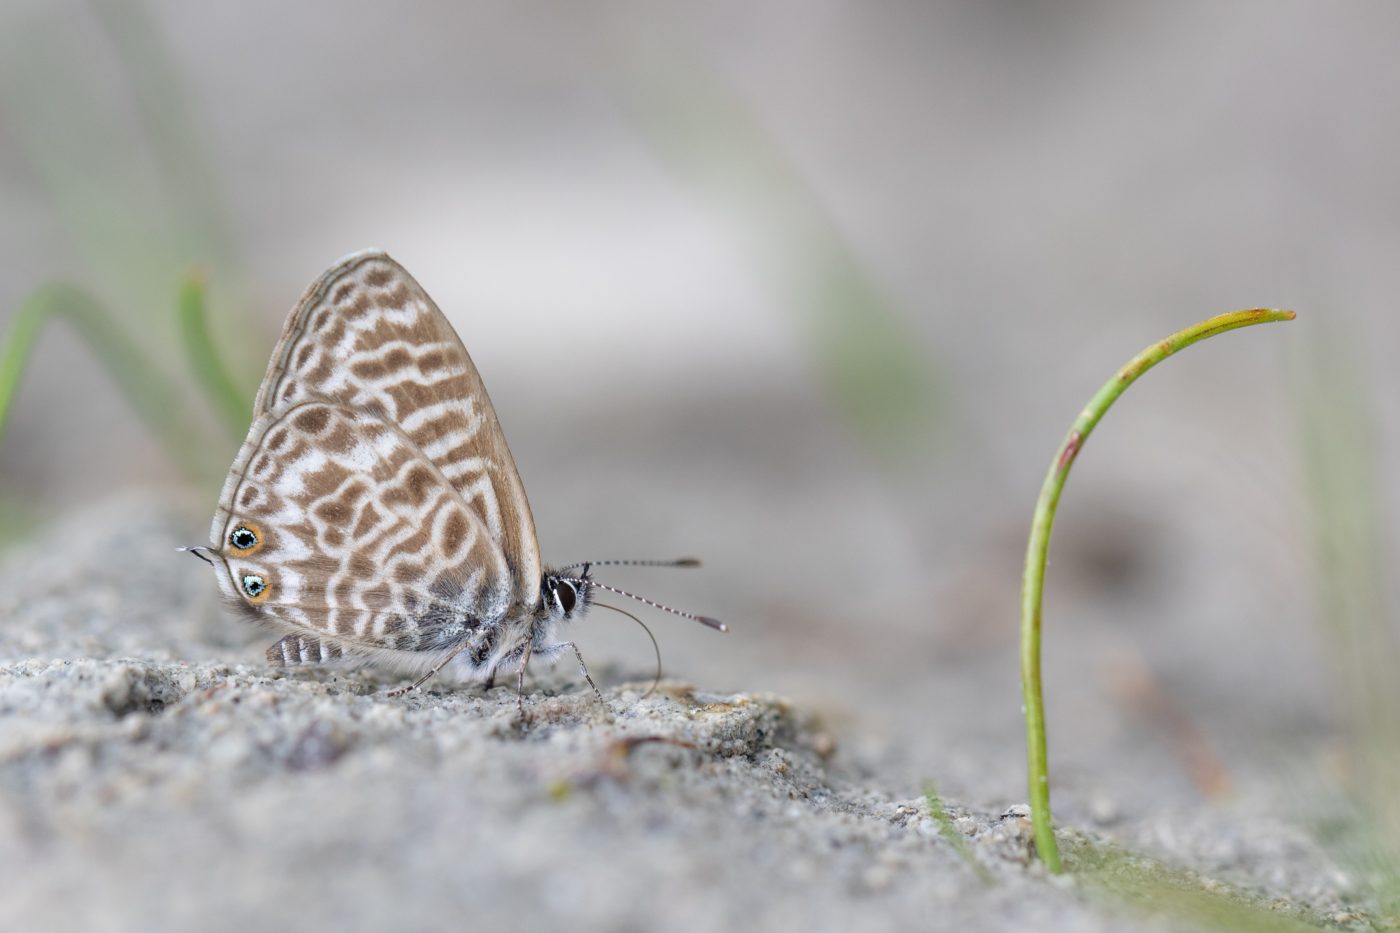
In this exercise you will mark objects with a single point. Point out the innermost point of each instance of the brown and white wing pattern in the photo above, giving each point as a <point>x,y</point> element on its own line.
<point>334,525</point>
<point>366,336</point>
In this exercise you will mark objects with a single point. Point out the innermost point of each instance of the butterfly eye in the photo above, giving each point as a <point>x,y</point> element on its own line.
<point>567,596</point>
<point>254,585</point>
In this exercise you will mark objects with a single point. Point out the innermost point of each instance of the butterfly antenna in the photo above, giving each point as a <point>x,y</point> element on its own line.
<point>715,624</point>
<point>198,551</point>
<point>678,562</point>
<point>655,681</point>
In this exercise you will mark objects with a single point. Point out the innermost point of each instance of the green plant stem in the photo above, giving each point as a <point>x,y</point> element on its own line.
<point>209,368</point>
<point>1038,548</point>
<point>155,398</point>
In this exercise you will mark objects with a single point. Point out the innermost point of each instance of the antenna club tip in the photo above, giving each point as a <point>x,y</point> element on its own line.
<point>715,624</point>
<point>686,562</point>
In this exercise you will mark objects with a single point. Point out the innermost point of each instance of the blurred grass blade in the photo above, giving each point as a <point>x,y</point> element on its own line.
<point>950,833</point>
<point>69,126</point>
<point>19,344</point>
<point>157,87</point>
<point>1160,890</point>
<point>1340,440</point>
<point>139,200</point>
<point>156,400</point>
<point>867,354</point>
<point>204,359</point>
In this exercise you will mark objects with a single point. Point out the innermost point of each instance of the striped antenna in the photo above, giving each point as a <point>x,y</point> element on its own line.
<point>678,562</point>
<point>715,624</point>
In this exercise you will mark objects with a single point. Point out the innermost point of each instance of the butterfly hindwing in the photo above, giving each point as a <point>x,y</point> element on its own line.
<point>367,336</point>
<point>334,524</point>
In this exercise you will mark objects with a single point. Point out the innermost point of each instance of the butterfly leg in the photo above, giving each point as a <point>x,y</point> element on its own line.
<point>431,671</point>
<point>520,677</point>
<point>583,669</point>
<point>302,649</point>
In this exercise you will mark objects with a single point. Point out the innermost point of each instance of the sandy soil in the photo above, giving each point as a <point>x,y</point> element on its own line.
<point>153,775</point>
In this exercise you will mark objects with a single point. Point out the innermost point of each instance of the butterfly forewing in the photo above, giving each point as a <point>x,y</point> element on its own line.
<point>367,336</point>
<point>333,522</point>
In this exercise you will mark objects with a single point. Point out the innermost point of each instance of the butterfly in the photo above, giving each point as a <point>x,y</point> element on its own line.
<point>374,513</point>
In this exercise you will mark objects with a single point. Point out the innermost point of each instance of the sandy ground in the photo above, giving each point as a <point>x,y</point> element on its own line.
<point>154,775</point>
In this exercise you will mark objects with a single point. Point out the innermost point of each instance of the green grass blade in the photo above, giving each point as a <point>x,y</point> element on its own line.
<point>19,345</point>
<point>1160,890</point>
<point>1037,551</point>
<point>204,359</point>
<point>1339,434</point>
<point>155,399</point>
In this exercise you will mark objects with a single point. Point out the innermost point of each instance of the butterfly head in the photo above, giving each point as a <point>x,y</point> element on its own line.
<point>582,586</point>
<point>565,596</point>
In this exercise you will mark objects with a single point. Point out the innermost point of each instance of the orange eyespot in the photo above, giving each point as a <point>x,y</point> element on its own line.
<point>246,538</point>
<point>255,587</point>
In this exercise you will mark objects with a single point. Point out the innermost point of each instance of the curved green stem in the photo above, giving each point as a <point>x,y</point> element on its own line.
<point>1038,548</point>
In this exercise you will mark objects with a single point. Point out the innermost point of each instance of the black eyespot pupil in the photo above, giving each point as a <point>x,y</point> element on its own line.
<point>567,596</point>
<point>253,585</point>
<point>242,539</point>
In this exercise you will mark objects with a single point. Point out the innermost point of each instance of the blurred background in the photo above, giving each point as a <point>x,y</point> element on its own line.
<point>810,289</point>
